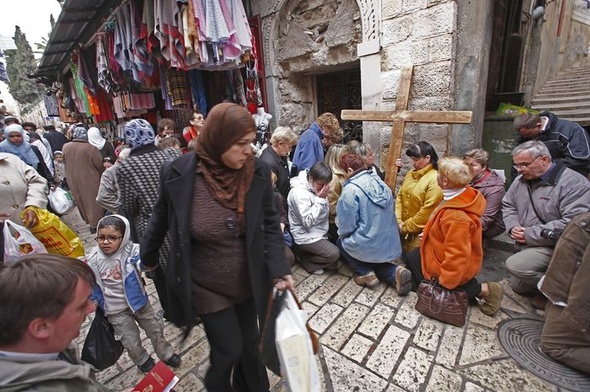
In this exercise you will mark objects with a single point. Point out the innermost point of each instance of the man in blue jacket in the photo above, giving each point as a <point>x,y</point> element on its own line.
<point>324,132</point>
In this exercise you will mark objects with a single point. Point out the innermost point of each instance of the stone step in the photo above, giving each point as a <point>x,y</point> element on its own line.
<point>570,80</point>
<point>571,90</point>
<point>565,105</point>
<point>566,98</point>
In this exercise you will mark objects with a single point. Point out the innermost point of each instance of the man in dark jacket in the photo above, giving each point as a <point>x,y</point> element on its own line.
<point>566,140</point>
<point>56,139</point>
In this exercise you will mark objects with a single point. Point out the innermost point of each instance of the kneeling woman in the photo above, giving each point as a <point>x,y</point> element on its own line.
<point>369,237</point>
<point>451,248</point>
<point>227,249</point>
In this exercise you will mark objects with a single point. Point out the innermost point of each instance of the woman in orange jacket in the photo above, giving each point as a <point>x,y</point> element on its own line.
<point>451,247</point>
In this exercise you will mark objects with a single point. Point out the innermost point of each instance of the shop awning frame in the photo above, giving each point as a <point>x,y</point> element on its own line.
<point>78,22</point>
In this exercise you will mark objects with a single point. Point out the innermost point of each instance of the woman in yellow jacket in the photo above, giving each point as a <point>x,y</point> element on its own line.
<point>419,194</point>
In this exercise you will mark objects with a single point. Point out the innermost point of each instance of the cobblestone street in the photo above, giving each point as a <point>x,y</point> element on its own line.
<point>371,340</point>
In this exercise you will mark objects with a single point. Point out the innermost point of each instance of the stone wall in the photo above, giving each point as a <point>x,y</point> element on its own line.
<point>306,38</point>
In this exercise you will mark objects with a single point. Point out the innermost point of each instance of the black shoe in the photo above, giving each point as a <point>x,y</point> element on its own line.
<point>174,361</point>
<point>147,365</point>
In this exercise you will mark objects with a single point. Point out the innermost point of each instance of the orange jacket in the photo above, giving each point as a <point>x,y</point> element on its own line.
<point>451,247</point>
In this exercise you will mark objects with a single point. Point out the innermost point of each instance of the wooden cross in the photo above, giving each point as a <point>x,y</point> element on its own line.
<point>399,117</point>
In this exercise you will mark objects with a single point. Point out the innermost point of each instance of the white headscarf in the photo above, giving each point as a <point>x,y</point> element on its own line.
<point>95,138</point>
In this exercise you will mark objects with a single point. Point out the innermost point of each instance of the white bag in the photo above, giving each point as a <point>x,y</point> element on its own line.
<point>61,201</point>
<point>295,348</point>
<point>19,242</point>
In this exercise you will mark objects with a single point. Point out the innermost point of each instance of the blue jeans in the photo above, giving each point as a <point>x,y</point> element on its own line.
<point>385,271</point>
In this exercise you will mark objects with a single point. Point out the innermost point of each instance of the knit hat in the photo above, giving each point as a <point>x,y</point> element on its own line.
<point>139,133</point>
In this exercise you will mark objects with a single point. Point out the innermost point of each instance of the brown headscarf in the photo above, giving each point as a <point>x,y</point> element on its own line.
<point>226,124</point>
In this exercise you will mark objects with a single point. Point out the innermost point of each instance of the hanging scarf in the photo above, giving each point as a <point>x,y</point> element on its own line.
<point>225,125</point>
<point>23,150</point>
<point>95,138</point>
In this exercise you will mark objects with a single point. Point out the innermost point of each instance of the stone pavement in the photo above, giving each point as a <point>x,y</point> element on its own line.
<point>371,339</point>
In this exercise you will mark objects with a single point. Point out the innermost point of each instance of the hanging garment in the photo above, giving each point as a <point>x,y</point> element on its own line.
<point>198,90</point>
<point>178,87</point>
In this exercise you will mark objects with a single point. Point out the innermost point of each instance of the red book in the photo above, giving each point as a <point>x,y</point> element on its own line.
<point>159,379</point>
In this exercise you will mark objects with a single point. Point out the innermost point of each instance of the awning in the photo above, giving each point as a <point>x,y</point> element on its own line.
<point>78,22</point>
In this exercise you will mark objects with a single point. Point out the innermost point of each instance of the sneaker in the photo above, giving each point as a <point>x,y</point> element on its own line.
<point>403,281</point>
<point>492,301</point>
<point>174,361</point>
<point>368,280</point>
<point>318,272</point>
<point>147,365</point>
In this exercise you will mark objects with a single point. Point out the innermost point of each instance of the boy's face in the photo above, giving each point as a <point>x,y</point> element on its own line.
<point>109,239</point>
<point>59,158</point>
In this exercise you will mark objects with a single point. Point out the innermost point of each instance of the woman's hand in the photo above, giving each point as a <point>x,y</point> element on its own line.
<point>30,218</point>
<point>398,163</point>
<point>285,282</point>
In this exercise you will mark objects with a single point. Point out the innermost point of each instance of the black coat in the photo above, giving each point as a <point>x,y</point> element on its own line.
<point>172,211</point>
<point>280,167</point>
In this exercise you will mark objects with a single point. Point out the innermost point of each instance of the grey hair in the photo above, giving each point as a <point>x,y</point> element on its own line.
<point>283,134</point>
<point>533,147</point>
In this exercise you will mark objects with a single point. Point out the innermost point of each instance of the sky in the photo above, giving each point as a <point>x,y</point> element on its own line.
<point>31,15</point>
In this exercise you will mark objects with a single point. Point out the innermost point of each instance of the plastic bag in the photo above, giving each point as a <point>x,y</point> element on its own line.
<point>19,242</point>
<point>60,200</point>
<point>295,347</point>
<point>57,237</point>
<point>101,350</point>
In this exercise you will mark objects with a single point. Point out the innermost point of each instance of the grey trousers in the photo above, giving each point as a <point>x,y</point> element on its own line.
<point>527,267</point>
<point>318,255</point>
<point>564,343</point>
<point>125,325</point>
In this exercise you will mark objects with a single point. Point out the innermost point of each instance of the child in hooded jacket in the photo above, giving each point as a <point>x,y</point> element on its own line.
<point>121,294</point>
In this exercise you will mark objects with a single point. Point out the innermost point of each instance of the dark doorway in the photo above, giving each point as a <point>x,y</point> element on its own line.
<point>505,55</point>
<point>341,90</point>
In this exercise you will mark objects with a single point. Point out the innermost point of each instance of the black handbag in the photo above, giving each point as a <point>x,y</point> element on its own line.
<point>448,306</point>
<point>101,350</point>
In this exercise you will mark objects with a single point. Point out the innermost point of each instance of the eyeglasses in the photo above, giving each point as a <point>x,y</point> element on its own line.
<point>109,238</point>
<point>525,164</point>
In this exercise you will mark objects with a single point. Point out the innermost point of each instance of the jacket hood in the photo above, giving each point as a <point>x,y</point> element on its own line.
<point>301,181</point>
<point>376,191</point>
<point>471,201</point>
<point>126,244</point>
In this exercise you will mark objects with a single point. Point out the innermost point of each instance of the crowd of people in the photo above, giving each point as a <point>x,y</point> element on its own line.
<point>217,229</point>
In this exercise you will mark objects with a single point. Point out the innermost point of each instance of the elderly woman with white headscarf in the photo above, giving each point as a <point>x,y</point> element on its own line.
<point>83,170</point>
<point>104,146</point>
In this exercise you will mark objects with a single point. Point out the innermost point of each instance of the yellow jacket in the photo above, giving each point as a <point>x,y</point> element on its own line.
<point>416,200</point>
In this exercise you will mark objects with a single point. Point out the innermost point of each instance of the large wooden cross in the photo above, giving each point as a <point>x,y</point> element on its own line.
<point>399,117</point>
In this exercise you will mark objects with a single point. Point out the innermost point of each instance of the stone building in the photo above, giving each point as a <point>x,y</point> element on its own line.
<point>328,55</point>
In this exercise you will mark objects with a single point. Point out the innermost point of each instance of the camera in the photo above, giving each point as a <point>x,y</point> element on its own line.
<point>551,235</point>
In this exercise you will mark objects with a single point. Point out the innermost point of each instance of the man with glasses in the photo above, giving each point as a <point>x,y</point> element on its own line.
<point>539,203</point>
<point>566,140</point>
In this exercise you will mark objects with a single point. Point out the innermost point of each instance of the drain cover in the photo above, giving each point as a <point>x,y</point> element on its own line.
<point>521,338</point>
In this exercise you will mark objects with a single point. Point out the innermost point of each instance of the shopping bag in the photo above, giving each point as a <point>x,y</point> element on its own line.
<point>19,242</point>
<point>60,200</point>
<point>101,349</point>
<point>267,347</point>
<point>295,347</point>
<point>57,237</point>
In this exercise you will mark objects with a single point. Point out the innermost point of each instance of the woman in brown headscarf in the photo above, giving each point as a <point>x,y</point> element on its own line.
<point>227,250</point>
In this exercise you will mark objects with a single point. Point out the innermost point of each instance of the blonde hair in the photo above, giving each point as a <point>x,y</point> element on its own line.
<point>456,171</point>
<point>333,157</point>
<point>285,135</point>
<point>330,127</point>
